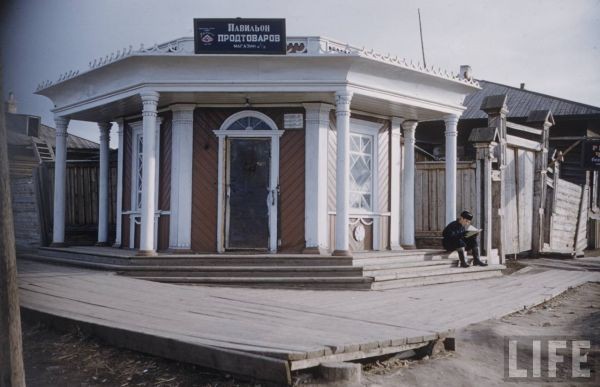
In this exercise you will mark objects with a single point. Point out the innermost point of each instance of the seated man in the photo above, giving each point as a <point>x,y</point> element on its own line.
<point>454,239</point>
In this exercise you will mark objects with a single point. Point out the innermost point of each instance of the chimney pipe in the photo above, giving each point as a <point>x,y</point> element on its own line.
<point>522,86</point>
<point>11,104</point>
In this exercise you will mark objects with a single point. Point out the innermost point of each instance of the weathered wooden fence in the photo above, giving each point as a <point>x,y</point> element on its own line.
<point>81,204</point>
<point>567,204</point>
<point>518,210</point>
<point>430,195</point>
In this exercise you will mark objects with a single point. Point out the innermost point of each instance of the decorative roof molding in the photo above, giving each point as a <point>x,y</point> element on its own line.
<point>296,46</point>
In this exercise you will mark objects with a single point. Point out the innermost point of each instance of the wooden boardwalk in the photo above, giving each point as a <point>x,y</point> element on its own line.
<point>266,334</point>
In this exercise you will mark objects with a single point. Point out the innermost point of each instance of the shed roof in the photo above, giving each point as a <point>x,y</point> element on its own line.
<point>521,102</point>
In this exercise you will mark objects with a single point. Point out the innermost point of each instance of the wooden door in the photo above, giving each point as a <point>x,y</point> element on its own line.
<point>247,210</point>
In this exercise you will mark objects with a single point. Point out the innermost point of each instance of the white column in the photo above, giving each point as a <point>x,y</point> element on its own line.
<point>451,134</point>
<point>180,227</point>
<point>220,198</point>
<point>103,184</point>
<point>150,102</point>
<point>316,218</point>
<point>395,167</point>
<point>119,210</point>
<point>60,171</point>
<point>408,185</point>
<point>342,178</point>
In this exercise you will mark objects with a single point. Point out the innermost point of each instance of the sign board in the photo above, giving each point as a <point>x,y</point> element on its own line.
<point>293,121</point>
<point>240,36</point>
<point>591,154</point>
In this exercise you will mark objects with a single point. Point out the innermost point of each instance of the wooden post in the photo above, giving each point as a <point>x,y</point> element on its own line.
<point>496,109</point>
<point>543,120</point>
<point>485,140</point>
<point>11,350</point>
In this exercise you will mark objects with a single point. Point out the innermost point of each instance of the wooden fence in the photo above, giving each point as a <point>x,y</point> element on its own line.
<point>430,194</point>
<point>81,204</point>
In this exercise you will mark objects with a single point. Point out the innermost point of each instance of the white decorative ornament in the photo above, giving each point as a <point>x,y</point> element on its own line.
<point>359,233</point>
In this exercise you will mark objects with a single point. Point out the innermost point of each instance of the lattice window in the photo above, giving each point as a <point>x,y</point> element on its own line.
<point>361,171</point>
<point>139,170</point>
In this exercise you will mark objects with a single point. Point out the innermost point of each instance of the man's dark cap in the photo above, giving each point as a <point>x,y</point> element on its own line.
<point>466,215</point>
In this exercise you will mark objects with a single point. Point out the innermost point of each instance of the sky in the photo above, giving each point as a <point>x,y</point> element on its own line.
<point>553,46</point>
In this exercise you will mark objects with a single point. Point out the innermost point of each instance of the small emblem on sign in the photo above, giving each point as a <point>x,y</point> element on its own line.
<point>207,38</point>
<point>293,121</point>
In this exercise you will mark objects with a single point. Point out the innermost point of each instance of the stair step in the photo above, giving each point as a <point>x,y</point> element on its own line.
<point>464,275</point>
<point>126,258</point>
<point>353,283</point>
<point>243,271</point>
<point>428,272</point>
<point>379,270</point>
<point>399,259</point>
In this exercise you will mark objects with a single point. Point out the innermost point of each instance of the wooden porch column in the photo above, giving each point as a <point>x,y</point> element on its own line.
<point>408,186</point>
<point>395,166</point>
<point>316,217</point>
<point>150,103</point>
<point>342,112</point>
<point>485,156</point>
<point>541,119</point>
<point>451,122</point>
<point>180,227</point>
<point>60,171</point>
<point>119,209</point>
<point>103,184</point>
<point>496,109</point>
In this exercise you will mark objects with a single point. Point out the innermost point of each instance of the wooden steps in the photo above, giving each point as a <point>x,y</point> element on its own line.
<point>366,270</point>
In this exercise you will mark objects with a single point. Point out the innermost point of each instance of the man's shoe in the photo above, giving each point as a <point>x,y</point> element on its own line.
<point>462,262</point>
<point>476,260</point>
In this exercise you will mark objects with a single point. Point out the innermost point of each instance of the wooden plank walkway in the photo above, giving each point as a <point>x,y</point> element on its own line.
<point>266,334</point>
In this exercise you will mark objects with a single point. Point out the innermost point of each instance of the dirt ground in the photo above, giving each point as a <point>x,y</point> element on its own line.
<point>57,359</point>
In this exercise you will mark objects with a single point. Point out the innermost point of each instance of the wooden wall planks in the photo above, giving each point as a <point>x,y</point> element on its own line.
<point>430,194</point>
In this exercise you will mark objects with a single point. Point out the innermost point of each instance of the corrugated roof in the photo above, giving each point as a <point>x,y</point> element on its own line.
<point>48,134</point>
<point>521,101</point>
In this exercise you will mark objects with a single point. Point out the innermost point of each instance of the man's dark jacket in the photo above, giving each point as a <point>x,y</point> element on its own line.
<point>453,234</point>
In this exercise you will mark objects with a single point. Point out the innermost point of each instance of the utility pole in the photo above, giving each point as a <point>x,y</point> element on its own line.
<point>421,34</point>
<point>12,373</point>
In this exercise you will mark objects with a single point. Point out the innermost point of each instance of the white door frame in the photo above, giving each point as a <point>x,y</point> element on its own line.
<point>223,134</point>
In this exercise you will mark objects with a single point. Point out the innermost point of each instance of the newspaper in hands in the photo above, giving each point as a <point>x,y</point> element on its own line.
<point>471,231</point>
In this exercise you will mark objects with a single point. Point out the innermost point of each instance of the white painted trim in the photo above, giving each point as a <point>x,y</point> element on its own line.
<point>316,221</point>
<point>60,171</point>
<point>137,130</point>
<point>220,183</point>
<point>395,172</point>
<point>274,135</point>
<point>182,153</point>
<point>119,210</point>
<point>103,173</point>
<point>408,184</point>
<point>264,86</point>
<point>451,123</point>
<point>248,113</point>
<point>371,129</point>
<point>342,173</point>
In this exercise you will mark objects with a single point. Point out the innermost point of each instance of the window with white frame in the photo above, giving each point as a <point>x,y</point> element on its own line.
<point>361,171</point>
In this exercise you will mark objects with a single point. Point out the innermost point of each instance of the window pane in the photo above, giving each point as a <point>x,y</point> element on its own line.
<point>361,171</point>
<point>249,123</point>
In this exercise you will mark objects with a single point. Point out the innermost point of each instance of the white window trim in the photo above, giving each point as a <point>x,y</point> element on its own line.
<point>370,129</point>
